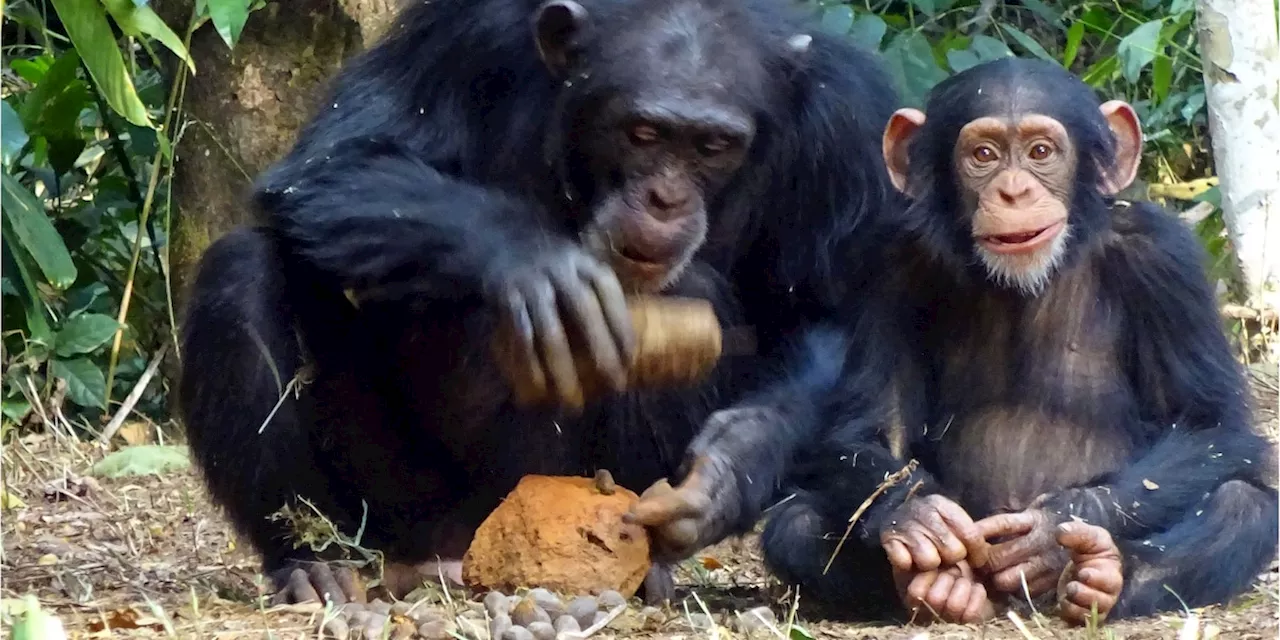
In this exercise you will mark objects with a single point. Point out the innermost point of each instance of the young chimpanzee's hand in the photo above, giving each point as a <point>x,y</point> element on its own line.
<point>1027,549</point>
<point>1095,577</point>
<point>531,296</point>
<point>946,595</point>
<point>929,532</point>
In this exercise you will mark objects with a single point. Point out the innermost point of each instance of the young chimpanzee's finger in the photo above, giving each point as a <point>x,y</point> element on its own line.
<point>924,551</point>
<point>957,600</point>
<point>1036,571</point>
<point>966,530</point>
<point>297,588</point>
<point>938,594</point>
<point>535,386</point>
<point>326,585</point>
<point>1105,580</point>
<point>1006,524</point>
<point>899,555</point>
<point>1086,541</point>
<point>980,607</point>
<point>349,582</point>
<point>1079,600</point>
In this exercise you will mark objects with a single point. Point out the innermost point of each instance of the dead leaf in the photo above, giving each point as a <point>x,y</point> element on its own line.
<point>9,501</point>
<point>710,564</point>
<point>135,433</point>
<point>125,619</point>
<point>47,560</point>
<point>1149,484</point>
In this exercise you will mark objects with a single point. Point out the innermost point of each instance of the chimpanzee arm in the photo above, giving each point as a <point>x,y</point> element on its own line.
<point>1189,387</point>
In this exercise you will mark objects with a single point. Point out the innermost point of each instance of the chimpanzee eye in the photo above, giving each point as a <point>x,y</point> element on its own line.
<point>984,154</point>
<point>643,134</point>
<point>1040,151</point>
<point>713,145</point>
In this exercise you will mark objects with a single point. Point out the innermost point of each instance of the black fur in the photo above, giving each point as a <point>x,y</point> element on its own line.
<point>437,160</point>
<point>1118,375</point>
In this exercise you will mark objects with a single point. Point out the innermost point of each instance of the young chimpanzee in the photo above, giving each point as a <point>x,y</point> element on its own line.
<point>510,163</point>
<point>1061,380</point>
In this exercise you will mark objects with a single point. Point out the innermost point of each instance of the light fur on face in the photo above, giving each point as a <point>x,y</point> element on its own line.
<point>1028,273</point>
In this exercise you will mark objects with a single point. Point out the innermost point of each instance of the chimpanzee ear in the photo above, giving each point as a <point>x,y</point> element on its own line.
<point>897,137</point>
<point>1128,131</point>
<point>557,30</point>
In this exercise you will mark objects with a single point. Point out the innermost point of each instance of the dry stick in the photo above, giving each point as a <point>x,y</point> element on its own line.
<point>132,399</point>
<point>889,481</point>
<point>589,631</point>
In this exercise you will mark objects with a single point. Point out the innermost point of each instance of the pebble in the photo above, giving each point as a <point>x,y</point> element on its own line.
<point>499,625</point>
<point>527,611</point>
<point>549,602</point>
<point>542,630</point>
<point>700,621</point>
<point>336,628</point>
<point>610,599</point>
<point>401,608</point>
<point>512,601</point>
<point>496,603</point>
<point>748,621</point>
<point>584,609</point>
<point>378,606</point>
<point>437,629</point>
<point>517,633</point>
<point>403,630</point>
<point>651,618</point>
<point>567,624</point>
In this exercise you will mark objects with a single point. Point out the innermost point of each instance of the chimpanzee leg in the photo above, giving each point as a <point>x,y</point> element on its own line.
<point>798,541</point>
<point>1211,556</point>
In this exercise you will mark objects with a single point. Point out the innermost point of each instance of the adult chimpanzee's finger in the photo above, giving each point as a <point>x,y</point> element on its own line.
<point>918,589</point>
<point>898,554</point>
<point>937,595</point>
<point>585,308</point>
<point>980,607</point>
<point>958,600</point>
<point>613,302</point>
<point>950,549</point>
<point>1079,600</point>
<point>1006,524</point>
<point>1085,541</point>
<point>522,325</point>
<point>924,552</point>
<point>326,585</point>
<point>1105,580</point>
<point>349,582</point>
<point>297,588</point>
<point>554,346</point>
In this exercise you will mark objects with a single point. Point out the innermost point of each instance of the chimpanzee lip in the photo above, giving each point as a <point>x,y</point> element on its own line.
<point>637,263</point>
<point>1021,242</point>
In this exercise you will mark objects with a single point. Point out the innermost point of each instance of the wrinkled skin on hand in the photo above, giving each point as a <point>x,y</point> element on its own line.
<point>1095,576</point>
<point>302,582</point>
<point>530,297</point>
<point>931,532</point>
<point>1028,546</point>
<point>951,594</point>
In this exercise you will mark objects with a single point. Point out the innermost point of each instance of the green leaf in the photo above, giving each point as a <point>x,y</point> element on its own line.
<point>910,58</point>
<point>15,409</point>
<point>1161,78</point>
<point>798,632</point>
<point>84,333</point>
<point>36,623</point>
<point>13,137</point>
<point>961,59</point>
<point>988,48</point>
<point>1195,102</point>
<point>87,26</point>
<point>1027,42</point>
<point>1179,7</point>
<point>141,460</point>
<point>86,386</point>
<point>26,214</point>
<point>927,7</point>
<point>868,30</point>
<point>838,19</point>
<point>1049,15</point>
<point>1074,35</point>
<point>228,18</point>
<point>15,261</point>
<point>138,20</point>
<point>1139,48</point>
<point>60,75</point>
<point>1101,71</point>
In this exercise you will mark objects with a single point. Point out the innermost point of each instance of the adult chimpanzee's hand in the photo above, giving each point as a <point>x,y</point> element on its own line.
<point>930,532</point>
<point>950,594</point>
<point>566,280</point>
<point>1029,547</point>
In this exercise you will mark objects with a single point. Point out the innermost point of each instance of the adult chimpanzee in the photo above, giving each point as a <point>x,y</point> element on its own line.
<point>504,161</point>
<point>1062,381</point>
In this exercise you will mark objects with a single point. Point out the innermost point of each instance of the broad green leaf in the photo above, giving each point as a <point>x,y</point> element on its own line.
<point>1074,35</point>
<point>84,333</point>
<point>798,632</point>
<point>927,7</point>
<point>15,409</point>
<point>1101,71</point>
<point>961,59</point>
<point>87,26</point>
<point>37,624</point>
<point>13,137</point>
<point>86,386</point>
<point>32,69</point>
<point>1049,15</point>
<point>838,19</point>
<point>1027,42</point>
<point>1179,7</point>
<point>1161,78</point>
<point>1139,48</point>
<point>15,261</point>
<point>29,221</point>
<point>142,460</point>
<point>228,18</point>
<point>138,20</point>
<point>52,83</point>
<point>988,48</point>
<point>868,30</point>
<point>911,60</point>
<point>1195,102</point>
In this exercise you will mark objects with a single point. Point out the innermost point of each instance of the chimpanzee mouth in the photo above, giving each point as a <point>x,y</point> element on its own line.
<point>1022,241</point>
<point>638,264</point>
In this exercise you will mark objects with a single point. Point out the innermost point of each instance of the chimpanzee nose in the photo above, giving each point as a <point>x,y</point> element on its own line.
<point>666,198</point>
<point>1014,187</point>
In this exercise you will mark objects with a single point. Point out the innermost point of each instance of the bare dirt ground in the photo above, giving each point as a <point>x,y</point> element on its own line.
<point>150,557</point>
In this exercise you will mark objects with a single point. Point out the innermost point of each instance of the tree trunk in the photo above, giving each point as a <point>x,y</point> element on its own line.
<point>1238,45</point>
<point>244,105</point>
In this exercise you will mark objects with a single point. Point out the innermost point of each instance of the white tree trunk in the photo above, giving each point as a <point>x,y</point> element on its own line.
<point>1241,58</point>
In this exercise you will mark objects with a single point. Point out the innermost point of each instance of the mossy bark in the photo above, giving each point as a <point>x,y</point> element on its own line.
<point>244,106</point>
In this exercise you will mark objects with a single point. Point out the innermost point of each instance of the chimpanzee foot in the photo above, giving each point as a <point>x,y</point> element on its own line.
<point>1095,576</point>
<point>312,581</point>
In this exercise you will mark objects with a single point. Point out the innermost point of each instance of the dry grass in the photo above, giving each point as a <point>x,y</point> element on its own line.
<point>150,557</point>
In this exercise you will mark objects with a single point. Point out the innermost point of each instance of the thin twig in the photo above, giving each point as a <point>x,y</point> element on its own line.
<point>889,481</point>
<point>126,407</point>
<point>591,630</point>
